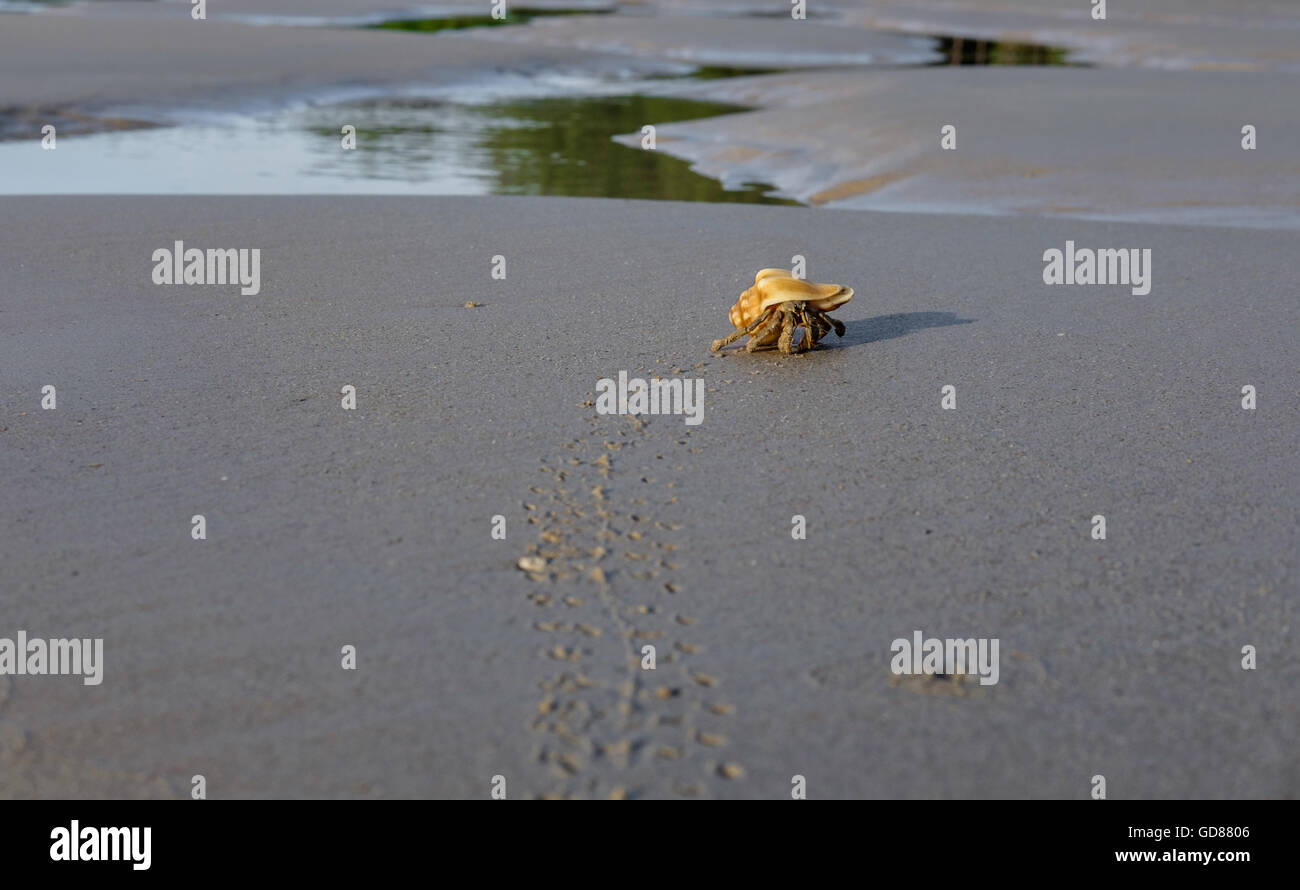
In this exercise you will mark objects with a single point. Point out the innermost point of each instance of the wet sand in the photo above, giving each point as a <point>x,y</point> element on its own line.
<point>48,60</point>
<point>1108,144</point>
<point>372,528</point>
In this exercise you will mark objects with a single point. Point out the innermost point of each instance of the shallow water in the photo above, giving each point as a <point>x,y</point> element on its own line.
<point>546,135</point>
<point>514,16</point>
<point>521,146</point>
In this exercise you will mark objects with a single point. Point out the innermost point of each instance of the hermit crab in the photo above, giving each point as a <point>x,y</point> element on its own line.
<point>778,305</point>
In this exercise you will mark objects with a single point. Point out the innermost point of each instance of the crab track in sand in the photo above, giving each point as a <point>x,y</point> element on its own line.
<point>29,769</point>
<point>606,727</point>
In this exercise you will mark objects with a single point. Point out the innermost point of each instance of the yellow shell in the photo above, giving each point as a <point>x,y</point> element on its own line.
<point>775,286</point>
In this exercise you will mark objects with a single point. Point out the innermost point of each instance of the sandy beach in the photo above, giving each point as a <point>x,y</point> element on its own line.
<point>372,528</point>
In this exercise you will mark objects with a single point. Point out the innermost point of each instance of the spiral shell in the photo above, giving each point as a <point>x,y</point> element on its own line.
<point>775,286</point>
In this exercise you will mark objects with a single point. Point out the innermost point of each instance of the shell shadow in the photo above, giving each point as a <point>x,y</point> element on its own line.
<point>900,324</point>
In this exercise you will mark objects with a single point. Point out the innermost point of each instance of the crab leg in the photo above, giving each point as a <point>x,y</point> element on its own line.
<point>812,331</point>
<point>788,330</point>
<point>764,335</point>
<point>801,320</point>
<point>825,324</point>
<point>817,329</point>
<point>734,335</point>
<point>832,322</point>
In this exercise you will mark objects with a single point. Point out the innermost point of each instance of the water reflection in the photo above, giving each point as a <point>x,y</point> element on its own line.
<point>540,146</point>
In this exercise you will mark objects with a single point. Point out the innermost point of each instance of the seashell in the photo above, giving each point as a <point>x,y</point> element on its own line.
<point>773,286</point>
<point>778,306</point>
